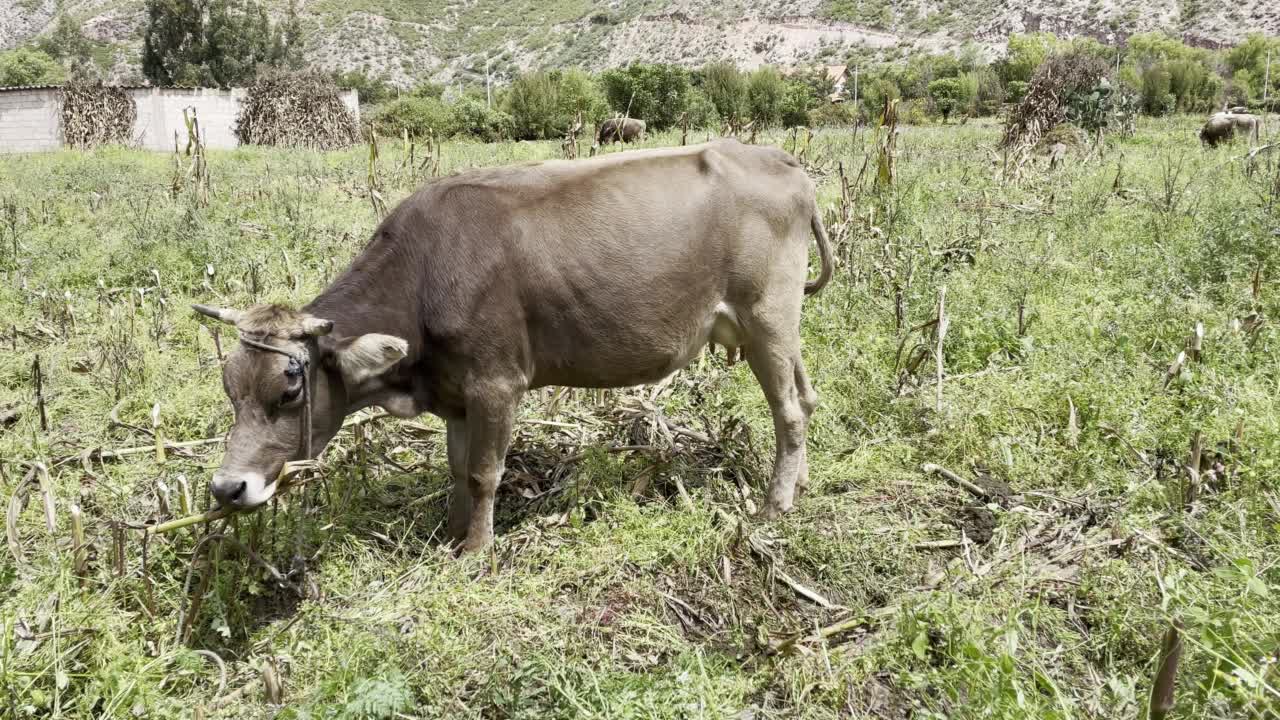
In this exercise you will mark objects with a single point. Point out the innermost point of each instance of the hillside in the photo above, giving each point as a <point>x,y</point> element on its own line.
<point>408,39</point>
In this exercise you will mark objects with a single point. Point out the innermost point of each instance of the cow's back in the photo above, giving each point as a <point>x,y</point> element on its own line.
<point>599,271</point>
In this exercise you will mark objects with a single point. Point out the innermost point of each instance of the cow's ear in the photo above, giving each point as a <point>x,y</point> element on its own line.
<point>368,356</point>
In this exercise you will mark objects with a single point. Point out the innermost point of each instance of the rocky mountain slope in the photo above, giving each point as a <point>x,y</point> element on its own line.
<point>445,39</point>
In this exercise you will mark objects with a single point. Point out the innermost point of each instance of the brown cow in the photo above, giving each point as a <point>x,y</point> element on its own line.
<point>624,129</point>
<point>609,272</point>
<point>1224,126</point>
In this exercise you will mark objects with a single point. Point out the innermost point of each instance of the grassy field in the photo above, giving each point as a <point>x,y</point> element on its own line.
<point>638,584</point>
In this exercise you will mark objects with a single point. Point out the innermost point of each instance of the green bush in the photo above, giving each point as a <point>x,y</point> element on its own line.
<point>765,90</point>
<point>28,67</point>
<point>1015,90</point>
<point>726,88</point>
<point>829,114</point>
<point>798,99</point>
<point>417,115</point>
<point>372,90</point>
<point>702,112</point>
<point>1156,83</point>
<point>948,95</point>
<point>985,92</point>
<point>531,103</point>
<point>544,104</point>
<point>472,116</point>
<point>1024,56</point>
<point>876,92</point>
<point>657,94</point>
<point>428,89</point>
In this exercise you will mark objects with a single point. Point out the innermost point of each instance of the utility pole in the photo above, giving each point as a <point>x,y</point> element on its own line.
<point>1266,82</point>
<point>488,86</point>
<point>1266,91</point>
<point>855,88</point>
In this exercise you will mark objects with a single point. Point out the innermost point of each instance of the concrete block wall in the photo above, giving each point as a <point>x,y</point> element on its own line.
<point>30,119</point>
<point>160,116</point>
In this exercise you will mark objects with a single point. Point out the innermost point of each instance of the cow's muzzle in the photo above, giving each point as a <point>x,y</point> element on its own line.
<point>241,490</point>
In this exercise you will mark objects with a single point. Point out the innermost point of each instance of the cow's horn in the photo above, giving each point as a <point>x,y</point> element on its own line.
<point>314,326</point>
<point>231,317</point>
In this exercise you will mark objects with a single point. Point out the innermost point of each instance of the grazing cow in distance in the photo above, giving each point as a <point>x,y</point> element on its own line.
<point>608,272</point>
<point>1224,126</point>
<point>624,129</point>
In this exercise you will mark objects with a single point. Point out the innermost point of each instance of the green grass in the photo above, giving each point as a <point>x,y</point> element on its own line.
<point>599,603</point>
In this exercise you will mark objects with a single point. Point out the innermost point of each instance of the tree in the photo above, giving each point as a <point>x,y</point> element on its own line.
<point>1024,55</point>
<point>291,37</point>
<point>214,42</point>
<point>238,39</point>
<point>725,86</point>
<point>658,94</point>
<point>765,91</point>
<point>544,104</point>
<point>173,42</point>
<point>948,96</point>
<point>798,98</point>
<point>372,90</point>
<point>67,42</point>
<point>28,67</point>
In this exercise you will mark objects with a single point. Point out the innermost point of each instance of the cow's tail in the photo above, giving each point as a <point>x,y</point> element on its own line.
<point>824,252</point>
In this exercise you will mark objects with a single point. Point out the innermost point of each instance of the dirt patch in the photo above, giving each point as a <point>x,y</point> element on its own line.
<point>977,521</point>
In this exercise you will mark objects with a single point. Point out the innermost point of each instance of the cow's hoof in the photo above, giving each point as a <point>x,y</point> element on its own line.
<point>471,548</point>
<point>773,511</point>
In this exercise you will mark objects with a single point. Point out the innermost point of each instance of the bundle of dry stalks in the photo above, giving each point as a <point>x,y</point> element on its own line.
<point>1051,89</point>
<point>96,114</point>
<point>300,109</point>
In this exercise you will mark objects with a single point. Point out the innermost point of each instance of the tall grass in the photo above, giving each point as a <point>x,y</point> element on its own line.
<point>638,584</point>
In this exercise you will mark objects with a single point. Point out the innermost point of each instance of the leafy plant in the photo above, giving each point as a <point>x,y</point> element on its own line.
<point>24,66</point>
<point>658,94</point>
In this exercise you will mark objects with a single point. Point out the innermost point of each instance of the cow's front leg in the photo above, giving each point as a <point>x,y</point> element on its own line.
<point>460,503</point>
<point>491,411</point>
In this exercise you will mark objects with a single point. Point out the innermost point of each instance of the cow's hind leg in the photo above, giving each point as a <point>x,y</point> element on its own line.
<point>808,398</point>
<point>491,410</point>
<point>460,503</point>
<point>775,360</point>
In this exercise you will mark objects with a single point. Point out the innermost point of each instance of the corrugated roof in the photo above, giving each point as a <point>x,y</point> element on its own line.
<point>9,88</point>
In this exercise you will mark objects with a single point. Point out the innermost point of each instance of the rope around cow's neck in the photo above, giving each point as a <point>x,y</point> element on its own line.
<point>304,362</point>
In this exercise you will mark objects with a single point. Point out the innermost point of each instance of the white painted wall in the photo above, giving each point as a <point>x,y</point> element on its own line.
<point>29,119</point>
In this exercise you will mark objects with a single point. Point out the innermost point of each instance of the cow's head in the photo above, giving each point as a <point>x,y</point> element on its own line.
<point>287,367</point>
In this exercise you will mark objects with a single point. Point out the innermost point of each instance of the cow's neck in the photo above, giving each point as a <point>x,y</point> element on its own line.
<point>369,297</point>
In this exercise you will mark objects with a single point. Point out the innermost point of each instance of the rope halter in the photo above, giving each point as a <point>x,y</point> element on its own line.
<point>303,362</point>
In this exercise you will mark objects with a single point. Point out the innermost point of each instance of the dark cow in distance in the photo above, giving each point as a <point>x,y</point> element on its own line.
<point>1224,126</point>
<point>609,272</point>
<point>624,129</point>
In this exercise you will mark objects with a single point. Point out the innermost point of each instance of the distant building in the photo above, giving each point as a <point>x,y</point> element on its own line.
<point>31,118</point>
<point>839,77</point>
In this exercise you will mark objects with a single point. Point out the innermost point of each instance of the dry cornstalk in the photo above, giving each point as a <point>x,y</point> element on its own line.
<point>972,487</point>
<point>37,377</point>
<point>1073,424</point>
<point>271,682</point>
<point>1192,492</point>
<point>185,503</point>
<point>941,331</point>
<point>78,547</point>
<point>157,433</point>
<point>1166,672</point>
<point>291,470</point>
<point>1175,368</point>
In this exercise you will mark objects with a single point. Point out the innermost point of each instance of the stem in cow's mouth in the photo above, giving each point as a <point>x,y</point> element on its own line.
<point>170,526</point>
